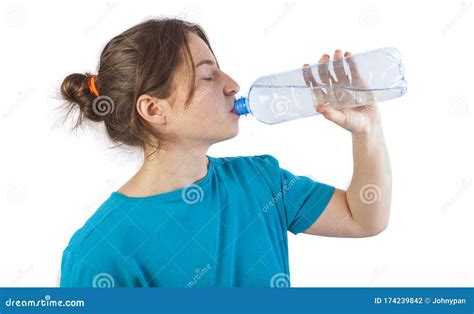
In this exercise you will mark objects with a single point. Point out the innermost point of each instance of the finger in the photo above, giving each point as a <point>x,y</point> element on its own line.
<point>336,116</point>
<point>341,76</point>
<point>340,79</point>
<point>356,79</point>
<point>323,71</point>
<point>341,73</point>
<point>308,76</point>
<point>316,93</point>
<point>326,80</point>
<point>354,70</point>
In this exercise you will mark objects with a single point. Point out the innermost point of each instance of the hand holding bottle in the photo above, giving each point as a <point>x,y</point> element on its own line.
<point>360,119</point>
<point>345,90</point>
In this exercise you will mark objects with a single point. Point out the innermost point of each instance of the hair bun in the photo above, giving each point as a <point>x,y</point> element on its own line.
<point>75,90</point>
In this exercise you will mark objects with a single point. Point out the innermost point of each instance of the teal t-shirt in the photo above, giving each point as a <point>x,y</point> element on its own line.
<point>228,229</point>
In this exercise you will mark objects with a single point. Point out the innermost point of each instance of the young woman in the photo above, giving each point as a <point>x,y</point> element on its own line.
<point>186,219</point>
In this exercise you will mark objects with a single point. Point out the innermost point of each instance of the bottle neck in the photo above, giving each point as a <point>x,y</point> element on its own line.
<point>241,106</point>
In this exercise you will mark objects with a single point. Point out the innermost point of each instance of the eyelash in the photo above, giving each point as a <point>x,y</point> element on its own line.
<point>208,78</point>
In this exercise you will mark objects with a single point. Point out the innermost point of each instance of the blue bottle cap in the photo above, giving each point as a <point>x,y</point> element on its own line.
<point>241,106</point>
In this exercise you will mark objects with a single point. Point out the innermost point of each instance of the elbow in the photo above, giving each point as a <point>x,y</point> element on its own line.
<point>376,230</point>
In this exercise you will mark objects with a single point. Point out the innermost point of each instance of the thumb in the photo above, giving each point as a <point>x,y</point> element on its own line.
<point>332,114</point>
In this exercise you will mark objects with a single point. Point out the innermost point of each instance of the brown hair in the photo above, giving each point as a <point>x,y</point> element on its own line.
<point>142,60</point>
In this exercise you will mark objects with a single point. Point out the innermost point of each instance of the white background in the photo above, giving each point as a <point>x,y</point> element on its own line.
<point>52,180</point>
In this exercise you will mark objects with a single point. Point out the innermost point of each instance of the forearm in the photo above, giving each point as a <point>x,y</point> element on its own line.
<point>370,191</point>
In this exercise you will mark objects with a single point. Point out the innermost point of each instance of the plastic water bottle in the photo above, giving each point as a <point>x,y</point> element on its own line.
<point>357,80</point>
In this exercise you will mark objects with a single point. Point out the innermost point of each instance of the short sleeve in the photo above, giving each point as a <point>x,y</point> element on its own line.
<point>98,268</point>
<point>303,199</point>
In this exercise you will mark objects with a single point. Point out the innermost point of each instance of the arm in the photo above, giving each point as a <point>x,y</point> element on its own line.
<point>363,210</point>
<point>369,193</point>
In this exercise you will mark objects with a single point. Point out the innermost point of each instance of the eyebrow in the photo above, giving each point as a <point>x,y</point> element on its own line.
<point>207,61</point>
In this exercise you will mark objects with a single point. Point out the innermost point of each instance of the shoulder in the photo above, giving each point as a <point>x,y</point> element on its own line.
<point>262,168</point>
<point>91,242</point>
<point>97,224</point>
<point>259,162</point>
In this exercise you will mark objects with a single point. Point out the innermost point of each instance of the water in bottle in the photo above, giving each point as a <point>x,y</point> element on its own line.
<point>357,80</point>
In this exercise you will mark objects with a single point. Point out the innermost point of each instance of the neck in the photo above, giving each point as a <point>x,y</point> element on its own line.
<point>167,170</point>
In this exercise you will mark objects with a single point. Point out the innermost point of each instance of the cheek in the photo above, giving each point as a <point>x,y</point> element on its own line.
<point>208,103</point>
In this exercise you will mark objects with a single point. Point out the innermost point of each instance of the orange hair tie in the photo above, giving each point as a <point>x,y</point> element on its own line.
<point>92,87</point>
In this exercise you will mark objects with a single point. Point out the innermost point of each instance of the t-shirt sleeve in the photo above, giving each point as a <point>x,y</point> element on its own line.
<point>303,199</point>
<point>97,268</point>
<point>78,272</point>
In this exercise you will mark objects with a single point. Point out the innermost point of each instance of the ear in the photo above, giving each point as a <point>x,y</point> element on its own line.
<point>154,110</point>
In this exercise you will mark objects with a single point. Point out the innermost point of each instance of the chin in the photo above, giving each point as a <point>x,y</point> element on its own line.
<point>228,134</point>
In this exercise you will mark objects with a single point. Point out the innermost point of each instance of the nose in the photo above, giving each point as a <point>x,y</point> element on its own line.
<point>231,87</point>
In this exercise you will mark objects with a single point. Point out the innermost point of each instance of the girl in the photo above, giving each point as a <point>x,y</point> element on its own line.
<point>186,219</point>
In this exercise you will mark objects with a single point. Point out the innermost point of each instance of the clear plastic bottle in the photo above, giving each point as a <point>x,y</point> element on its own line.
<point>357,80</point>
